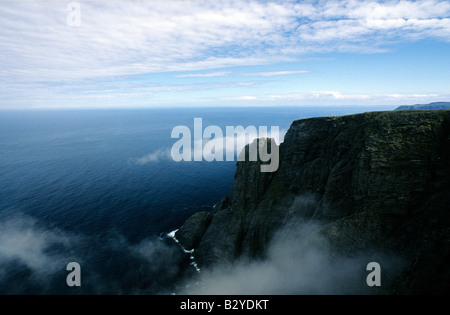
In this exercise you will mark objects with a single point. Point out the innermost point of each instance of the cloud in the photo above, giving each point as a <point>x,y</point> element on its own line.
<point>299,261</point>
<point>277,73</point>
<point>118,38</point>
<point>224,142</point>
<point>337,97</point>
<point>43,57</point>
<point>156,156</point>
<point>204,75</point>
<point>33,260</point>
<point>23,240</point>
<point>207,148</point>
<point>250,74</point>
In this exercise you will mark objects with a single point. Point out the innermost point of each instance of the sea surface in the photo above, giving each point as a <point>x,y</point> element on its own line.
<point>98,187</point>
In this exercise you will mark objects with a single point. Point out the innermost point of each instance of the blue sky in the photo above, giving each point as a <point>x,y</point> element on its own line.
<point>139,54</point>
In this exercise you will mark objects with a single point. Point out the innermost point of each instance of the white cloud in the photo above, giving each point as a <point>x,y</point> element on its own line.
<point>138,37</point>
<point>242,74</point>
<point>156,156</point>
<point>277,73</point>
<point>119,38</point>
<point>218,143</point>
<point>204,75</point>
<point>22,239</point>
<point>339,98</point>
<point>239,140</point>
<point>361,21</point>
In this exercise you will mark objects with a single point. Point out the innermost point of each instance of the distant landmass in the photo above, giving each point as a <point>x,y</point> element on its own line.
<point>435,105</point>
<point>372,187</point>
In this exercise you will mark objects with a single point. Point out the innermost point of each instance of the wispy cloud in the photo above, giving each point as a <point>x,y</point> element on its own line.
<point>335,97</point>
<point>120,38</point>
<point>242,74</point>
<point>34,256</point>
<point>23,240</point>
<point>204,75</point>
<point>277,73</point>
<point>207,147</point>
<point>156,156</point>
<point>139,37</point>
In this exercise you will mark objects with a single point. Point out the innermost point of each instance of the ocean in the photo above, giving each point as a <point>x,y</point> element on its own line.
<point>98,187</point>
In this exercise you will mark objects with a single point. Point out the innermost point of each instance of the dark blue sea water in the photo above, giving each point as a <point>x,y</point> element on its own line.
<point>72,189</point>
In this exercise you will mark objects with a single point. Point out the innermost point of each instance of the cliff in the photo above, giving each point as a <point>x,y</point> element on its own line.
<point>376,181</point>
<point>435,105</point>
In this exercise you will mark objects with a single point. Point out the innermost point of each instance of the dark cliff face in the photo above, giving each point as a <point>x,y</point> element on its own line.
<point>372,181</point>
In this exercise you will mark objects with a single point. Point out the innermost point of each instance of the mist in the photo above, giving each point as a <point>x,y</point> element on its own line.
<point>22,240</point>
<point>33,260</point>
<point>210,149</point>
<point>162,154</point>
<point>299,261</point>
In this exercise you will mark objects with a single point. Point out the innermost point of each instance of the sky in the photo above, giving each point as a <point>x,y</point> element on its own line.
<point>172,53</point>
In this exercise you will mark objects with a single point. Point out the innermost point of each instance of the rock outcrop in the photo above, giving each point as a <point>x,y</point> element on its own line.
<point>373,180</point>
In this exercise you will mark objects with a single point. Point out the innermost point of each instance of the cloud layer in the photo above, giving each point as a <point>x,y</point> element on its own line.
<point>331,97</point>
<point>44,58</point>
<point>130,37</point>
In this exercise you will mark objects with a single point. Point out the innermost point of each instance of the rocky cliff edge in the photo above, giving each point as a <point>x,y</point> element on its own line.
<point>377,181</point>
